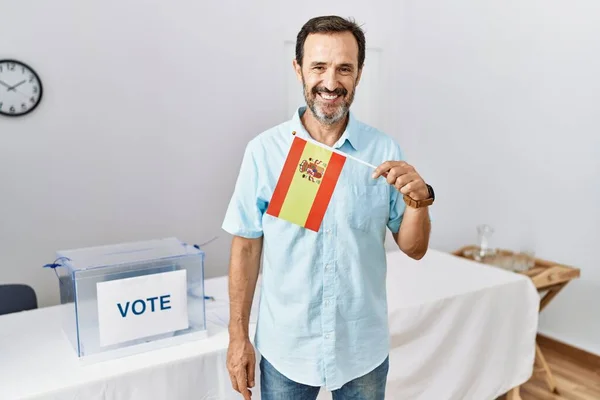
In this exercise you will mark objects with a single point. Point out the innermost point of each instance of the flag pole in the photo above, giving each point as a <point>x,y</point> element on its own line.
<point>309,139</point>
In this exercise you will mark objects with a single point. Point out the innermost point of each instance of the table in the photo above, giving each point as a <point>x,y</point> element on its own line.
<point>549,279</point>
<point>459,330</point>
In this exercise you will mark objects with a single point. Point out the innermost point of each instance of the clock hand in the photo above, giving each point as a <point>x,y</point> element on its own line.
<point>16,86</point>
<point>13,88</point>
<point>17,91</point>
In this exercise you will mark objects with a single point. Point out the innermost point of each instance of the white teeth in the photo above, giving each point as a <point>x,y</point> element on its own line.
<point>328,96</point>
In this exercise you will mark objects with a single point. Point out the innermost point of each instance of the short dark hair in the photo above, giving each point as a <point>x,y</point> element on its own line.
<point>331,24</point>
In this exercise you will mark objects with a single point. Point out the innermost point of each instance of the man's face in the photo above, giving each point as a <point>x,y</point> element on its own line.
<point>329,74</point>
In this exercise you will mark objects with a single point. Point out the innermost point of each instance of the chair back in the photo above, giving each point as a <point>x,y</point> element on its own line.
<point>17,297</point>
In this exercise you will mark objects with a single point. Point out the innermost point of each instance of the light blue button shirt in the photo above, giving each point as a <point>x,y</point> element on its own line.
<point>323,308</point>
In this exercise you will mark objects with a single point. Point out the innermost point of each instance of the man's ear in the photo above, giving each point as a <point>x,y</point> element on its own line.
<point>297,70</point>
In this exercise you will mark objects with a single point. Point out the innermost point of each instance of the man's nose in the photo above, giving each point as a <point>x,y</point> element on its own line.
<point>330,79</point>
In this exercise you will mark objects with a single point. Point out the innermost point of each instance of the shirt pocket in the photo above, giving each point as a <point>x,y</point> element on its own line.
<point>368,206</point>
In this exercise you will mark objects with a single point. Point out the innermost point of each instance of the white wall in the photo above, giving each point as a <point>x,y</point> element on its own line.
<point>501,101</point>
<point>119,148</point>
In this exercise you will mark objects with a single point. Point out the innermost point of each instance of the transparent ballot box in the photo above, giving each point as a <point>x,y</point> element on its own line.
<point>131,297</point>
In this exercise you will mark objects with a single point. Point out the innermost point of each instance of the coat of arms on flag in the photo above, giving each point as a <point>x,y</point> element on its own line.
<point>306,184</point>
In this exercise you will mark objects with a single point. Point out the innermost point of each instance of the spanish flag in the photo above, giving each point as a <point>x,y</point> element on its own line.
<point>306,184</point>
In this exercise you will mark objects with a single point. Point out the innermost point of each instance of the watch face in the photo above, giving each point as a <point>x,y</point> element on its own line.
<point>20,88</point>
<point>431,192</point>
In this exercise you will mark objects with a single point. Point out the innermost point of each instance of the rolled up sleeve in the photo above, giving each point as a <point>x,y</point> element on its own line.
<point>245,210</point>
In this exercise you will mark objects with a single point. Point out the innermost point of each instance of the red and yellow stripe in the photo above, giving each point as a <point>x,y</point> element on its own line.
<point>299,200</point>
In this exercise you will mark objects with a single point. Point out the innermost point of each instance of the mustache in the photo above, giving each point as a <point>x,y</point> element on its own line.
<point>338,92</point>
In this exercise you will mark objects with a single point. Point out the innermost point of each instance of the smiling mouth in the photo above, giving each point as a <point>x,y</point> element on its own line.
<point>328,96</point>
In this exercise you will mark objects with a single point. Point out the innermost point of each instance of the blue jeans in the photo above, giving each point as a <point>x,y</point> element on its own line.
<point>275,386</point>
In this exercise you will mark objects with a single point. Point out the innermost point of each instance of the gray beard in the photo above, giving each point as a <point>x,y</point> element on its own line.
<point>323,118</point>
<point>331,119</point>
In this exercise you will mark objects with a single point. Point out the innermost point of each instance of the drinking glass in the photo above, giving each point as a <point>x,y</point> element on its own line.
<point>484,235</point>
<point>523,260</point>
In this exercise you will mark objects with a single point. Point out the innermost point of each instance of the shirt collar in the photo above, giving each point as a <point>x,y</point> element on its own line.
<point>351,133</point>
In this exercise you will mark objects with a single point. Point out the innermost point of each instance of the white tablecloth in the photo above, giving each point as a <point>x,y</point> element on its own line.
<point>460,330</point>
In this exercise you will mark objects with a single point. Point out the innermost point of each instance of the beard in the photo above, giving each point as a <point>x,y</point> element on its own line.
<point>325,113</point>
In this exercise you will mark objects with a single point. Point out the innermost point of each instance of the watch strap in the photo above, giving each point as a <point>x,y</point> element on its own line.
<point>420,203</point>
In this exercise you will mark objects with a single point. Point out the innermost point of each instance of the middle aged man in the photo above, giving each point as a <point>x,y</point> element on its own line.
<point>323,313</point>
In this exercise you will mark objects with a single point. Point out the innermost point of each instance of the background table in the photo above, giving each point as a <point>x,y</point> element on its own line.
<point>549,279</point>
<point>460,330</point>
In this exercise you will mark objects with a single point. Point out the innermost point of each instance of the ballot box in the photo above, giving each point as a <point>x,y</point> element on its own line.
<point>128,298</point>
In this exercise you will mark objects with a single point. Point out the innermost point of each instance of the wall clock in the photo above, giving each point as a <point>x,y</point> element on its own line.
<point>20,88</point>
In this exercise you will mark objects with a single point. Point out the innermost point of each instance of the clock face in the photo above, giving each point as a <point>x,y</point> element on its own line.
<point>20,88</point>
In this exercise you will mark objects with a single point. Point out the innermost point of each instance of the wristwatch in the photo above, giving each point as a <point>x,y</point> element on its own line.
<point>421,203</point>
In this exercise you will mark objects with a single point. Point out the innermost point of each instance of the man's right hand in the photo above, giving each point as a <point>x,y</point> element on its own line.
<point>241,363</point>
<point>243,274</point>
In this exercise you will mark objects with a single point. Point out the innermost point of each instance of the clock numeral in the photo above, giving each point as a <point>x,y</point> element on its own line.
<point>23,70</point>
<point>1,67</point>
<point>1,105</point>
<point>24,106</point>
<point>31,100</point>
<point>35,89</point>
<point>12,109</point>
<point>31,78</point>
<point>11,67</point>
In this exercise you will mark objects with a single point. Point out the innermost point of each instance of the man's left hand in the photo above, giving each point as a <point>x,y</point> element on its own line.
<point>404,177</point>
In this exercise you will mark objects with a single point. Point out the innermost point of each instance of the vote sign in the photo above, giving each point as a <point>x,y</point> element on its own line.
<point>142,306</point>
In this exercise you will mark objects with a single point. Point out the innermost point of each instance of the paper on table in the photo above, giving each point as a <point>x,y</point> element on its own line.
<point>217,310</point>
<point>219,314</point>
